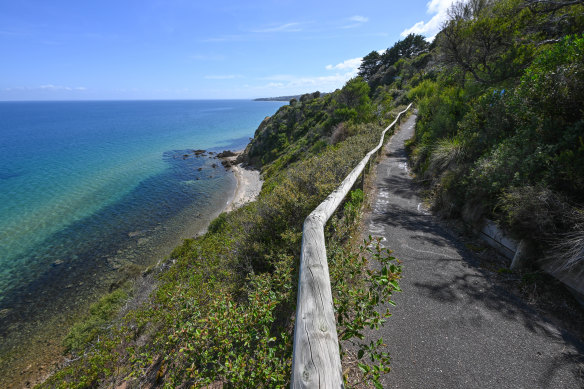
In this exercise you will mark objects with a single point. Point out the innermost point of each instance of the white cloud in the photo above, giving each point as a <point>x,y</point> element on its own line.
<point>288,84</point>
<point>43,89</point>
<point>352,65</point>
<point>60,87</point>
<point>207,57</point>
<point>54,87</point>
<point>359,18</point>
<point>223,77</point>
<point>288,27</point>
<point>225,38</point>
<point>299,84</point>
<point>278,77</point>
<point>438,8</point>
<point>12,33</point>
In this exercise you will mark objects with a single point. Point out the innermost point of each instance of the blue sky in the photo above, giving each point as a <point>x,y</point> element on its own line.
<point>179,49</point>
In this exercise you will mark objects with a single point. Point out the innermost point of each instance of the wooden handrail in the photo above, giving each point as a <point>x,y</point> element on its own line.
<point>316,362</point>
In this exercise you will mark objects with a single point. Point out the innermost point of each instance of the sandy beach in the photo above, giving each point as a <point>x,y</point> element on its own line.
<point>249,185</point>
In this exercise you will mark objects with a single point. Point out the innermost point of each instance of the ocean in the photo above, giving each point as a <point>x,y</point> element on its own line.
<point>92,191</point>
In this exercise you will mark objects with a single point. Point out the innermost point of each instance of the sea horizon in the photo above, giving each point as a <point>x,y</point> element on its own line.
<point>135,100</point>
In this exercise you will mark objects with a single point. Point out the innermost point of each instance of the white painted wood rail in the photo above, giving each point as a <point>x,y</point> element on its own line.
<point>316,362</point>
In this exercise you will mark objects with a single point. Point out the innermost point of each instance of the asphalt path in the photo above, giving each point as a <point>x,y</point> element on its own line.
<point>454,326</point>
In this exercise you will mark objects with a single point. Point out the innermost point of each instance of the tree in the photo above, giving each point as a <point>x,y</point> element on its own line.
<point>482,38</point>
<point>382,69</point>
<point>353,102</point>
<point>355,93</point>
<point>411,46</point>
<point>370,65</point>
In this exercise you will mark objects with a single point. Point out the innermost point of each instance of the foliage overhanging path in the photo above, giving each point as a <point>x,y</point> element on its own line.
<point>454,326</point>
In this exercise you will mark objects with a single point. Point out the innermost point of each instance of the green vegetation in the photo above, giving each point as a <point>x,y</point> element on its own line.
<point>359,292</point>
<point>223,310</point>
<point>500,134</point>
<point>353,205</point>
<point>309,124</point>
<point>100,313</point>
<point>500,129</point>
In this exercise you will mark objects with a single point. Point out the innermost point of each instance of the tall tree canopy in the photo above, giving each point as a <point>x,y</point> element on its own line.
<point>411,46</point>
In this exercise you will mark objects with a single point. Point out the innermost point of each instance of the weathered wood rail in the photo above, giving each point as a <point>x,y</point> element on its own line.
<point>316,362</point>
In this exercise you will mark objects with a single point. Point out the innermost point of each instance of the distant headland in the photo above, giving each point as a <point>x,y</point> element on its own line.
<point>279,98</point>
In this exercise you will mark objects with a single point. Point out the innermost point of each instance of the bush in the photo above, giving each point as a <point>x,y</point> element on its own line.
<point>445,156</point>
<point>357,296</point>
<point>218,224</point>
<point>353,205</point>
<point>553,83</point>
<point>82,333</point>
<point>533,211</point>
<point>566,252</point>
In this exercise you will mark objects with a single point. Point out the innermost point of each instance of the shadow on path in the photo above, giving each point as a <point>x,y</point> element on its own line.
<point>457,324</point>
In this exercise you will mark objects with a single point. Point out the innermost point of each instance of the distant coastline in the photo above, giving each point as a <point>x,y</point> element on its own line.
<point>279,98</point>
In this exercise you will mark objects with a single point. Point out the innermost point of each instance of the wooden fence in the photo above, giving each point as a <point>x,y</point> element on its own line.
<point>316,361</point>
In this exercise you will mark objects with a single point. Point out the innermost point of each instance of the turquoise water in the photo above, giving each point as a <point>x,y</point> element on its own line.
<point>82,183</point>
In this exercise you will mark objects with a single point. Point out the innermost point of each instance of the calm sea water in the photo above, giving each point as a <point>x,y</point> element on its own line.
<point>83,184</point>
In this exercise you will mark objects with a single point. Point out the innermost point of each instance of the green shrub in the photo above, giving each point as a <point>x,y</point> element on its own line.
<point>82,333</point>
<point>553,83</point>
<point>446,154</point>
<point>358,292</point>
<point>218,224</point>
<point>353,205</point>
<point>533,211</point>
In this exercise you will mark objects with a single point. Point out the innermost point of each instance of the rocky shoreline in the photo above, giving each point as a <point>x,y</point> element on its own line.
<point>249,182</point>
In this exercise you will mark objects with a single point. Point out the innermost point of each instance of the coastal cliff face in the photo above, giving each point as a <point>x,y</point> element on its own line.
<point>313,122</point>
<point>303,118</point>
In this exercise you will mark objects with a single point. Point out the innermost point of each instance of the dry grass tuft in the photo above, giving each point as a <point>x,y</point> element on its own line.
<point>445,156</point>
<point>567,249</point>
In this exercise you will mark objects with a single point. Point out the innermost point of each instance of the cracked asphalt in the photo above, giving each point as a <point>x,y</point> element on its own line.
<point>454,326</point>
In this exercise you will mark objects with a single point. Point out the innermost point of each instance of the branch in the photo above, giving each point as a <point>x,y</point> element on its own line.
<point>548,41</point>
<point>550,6</point>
